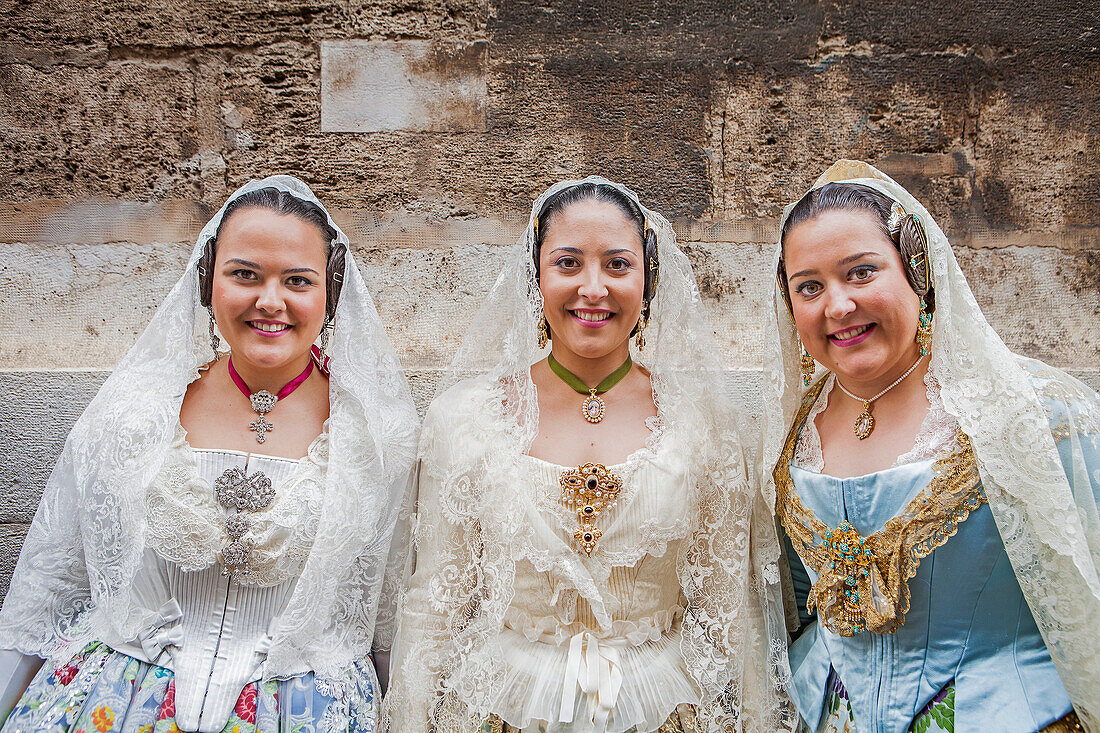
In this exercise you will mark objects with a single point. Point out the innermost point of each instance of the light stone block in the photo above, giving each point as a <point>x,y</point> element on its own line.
<point>79,297</point>
<point>376,86</point>
<point>41,409</point>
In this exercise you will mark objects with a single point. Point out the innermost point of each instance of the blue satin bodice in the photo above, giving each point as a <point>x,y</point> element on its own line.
<point>968,622</point>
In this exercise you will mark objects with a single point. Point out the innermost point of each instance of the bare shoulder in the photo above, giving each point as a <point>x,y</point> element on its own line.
<point>203,388</point>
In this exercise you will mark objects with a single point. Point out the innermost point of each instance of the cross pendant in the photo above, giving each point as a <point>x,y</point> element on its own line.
<point>261,427</point>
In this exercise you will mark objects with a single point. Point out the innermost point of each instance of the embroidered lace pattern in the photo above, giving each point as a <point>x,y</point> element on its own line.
<point>187,525</point>
<point>863,582</point>
<point>473,462</point>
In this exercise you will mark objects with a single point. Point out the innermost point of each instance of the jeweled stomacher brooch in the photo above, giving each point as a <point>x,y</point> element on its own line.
<point>237,491</point>
<point>589,490</point>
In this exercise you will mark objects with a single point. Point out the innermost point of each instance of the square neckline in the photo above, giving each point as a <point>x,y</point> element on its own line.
<point>309,454</point>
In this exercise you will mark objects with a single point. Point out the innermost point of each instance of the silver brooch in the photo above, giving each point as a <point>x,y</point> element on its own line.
<point>240,492</point>
<point>262,402</point>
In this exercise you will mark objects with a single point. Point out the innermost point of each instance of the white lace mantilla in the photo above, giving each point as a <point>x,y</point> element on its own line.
<point>74,581</point>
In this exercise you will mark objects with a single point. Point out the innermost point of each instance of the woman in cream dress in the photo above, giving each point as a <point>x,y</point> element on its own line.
<point>591,555</point>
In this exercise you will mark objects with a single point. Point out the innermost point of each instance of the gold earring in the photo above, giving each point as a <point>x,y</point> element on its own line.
<point>807,367</point>
<point>544,334</point>
<point>639,337</point>
<point>924,329</point>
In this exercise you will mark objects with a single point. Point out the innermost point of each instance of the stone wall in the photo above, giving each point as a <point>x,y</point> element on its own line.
<point>429,126</point>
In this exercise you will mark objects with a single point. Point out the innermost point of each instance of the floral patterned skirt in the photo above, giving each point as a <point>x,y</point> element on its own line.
<point>938,716</point>
<point>101,690</point>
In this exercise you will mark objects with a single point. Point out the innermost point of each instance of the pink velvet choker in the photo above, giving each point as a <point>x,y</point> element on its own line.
<point>263,401</point>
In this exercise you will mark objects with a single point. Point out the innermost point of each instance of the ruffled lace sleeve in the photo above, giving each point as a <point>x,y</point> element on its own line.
<point>396,574</point>
<point>734,625</point>
<point>1073,412</point>
<point>441,597</point>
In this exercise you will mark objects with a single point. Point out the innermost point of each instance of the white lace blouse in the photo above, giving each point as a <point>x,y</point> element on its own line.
<point>588,643</point>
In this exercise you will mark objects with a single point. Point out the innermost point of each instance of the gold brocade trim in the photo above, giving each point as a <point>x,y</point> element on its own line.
<point>1068,723</point>
<point>863,582</point>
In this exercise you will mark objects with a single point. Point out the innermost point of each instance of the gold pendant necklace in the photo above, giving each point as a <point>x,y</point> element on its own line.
<point>865,422</point>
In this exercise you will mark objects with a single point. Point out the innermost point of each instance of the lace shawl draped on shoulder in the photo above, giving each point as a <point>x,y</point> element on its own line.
<point>1041,484</point>
<point>72,583</point>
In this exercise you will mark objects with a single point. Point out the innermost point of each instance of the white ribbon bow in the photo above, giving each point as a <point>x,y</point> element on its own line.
<point>159,635</point>
<point>595,669</point>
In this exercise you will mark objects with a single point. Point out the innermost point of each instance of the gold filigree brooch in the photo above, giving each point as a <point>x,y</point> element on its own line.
<point>589,490</point>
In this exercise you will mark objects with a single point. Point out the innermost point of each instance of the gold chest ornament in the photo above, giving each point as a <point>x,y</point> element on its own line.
<point>589,490</point>
<point>863,582</point>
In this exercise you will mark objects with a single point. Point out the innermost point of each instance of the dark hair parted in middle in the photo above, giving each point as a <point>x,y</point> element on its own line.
<point>280,202</point>
<point>909,239</point>
<point>565,198</point>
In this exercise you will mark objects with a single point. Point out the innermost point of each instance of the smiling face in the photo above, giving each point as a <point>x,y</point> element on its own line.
<point>853,307</point>
<point>592,277</point>
<point>269,288</point>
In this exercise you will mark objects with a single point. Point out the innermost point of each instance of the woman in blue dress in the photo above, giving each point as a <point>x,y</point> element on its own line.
<point>212,548</point>
<point>938,493</point>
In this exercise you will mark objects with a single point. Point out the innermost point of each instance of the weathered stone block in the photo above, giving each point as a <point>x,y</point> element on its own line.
<point>11,541</point>
<point>82,295</point>
<point>42,409</point>
<point>45,28</point>
<point>116,131</point>
<point>371,86</point>
<point>80,306</point>
<point>771,136</point>
<point>1043,302</point>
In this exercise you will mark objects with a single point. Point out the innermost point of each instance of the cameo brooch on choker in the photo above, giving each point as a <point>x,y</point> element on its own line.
<point>589,490</point>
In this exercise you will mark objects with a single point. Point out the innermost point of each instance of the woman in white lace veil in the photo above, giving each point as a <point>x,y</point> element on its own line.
<point>663,610</point>
<point>129,519</point>
<point>950,611</point>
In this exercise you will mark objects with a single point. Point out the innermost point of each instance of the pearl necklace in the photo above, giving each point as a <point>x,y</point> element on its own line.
<point>865,423</point>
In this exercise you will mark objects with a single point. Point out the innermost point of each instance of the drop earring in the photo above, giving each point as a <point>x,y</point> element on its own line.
<point>326,330</point>
<point>924,329</point>
<point>806,366</point>
<point>544,334</point>
<point>215,342</point>
<point>639,337</point>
